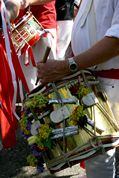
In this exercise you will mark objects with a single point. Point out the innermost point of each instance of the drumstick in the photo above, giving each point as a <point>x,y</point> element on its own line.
<point>47,52</point>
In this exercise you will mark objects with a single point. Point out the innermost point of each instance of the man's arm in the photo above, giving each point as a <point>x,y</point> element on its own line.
<point>37,2</point>
<point>101,52</point>
<point>13,7</point>
<point>26,3</point>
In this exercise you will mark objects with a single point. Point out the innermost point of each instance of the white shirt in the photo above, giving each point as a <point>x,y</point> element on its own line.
<point>105,23</point>
<point>89,29</point>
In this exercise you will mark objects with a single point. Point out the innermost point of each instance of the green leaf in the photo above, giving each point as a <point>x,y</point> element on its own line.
<point>47,143</point>
<point>31,140</point>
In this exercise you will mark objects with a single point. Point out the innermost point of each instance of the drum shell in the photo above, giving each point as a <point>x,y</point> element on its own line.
<point>89,140</point>
<point>26,32</point>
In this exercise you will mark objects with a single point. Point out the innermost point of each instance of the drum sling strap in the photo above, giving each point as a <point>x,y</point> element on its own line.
<point>110,74</point>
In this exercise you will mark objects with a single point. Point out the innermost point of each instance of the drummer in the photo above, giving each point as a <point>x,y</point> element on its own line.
<point>95,43</point>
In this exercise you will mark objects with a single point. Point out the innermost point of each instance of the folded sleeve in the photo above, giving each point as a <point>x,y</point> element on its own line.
<point>113,31</point>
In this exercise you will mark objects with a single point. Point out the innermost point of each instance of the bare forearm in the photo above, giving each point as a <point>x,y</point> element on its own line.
<point>36,2</point>
<point>26,3</point>
<point>99,53</point>
<point>13,8</point>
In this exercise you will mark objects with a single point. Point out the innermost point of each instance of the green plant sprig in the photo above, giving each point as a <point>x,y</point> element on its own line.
<point>78,113</point>
<point>82,91</point>
<point>38,101</point>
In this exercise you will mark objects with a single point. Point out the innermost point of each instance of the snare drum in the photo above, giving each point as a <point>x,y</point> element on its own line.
<point>27,31</point>
<point>72,123</point>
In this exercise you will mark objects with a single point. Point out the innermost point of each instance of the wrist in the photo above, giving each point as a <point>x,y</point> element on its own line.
<point>64,67</point>
<point>73,66</point>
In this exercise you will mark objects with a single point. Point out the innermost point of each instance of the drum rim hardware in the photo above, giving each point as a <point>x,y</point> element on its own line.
<point>92,140</point>
<point>22,22</point>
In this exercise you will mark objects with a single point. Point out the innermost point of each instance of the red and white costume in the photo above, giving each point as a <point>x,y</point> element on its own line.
<point>10,73</point>
<point>46,15</point>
